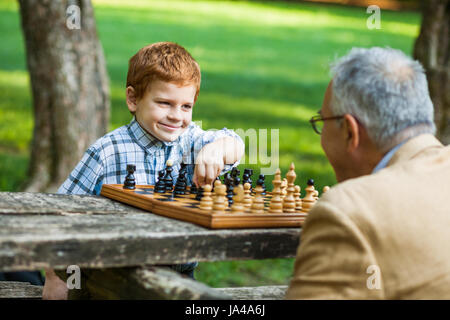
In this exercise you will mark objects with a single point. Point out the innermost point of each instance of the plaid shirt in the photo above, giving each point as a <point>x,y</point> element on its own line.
<point>106,160</point>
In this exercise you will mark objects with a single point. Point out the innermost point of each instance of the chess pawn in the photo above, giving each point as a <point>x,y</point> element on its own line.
<point>130,182</point>
<point>245,179</point>
<point>160,186</point>
<point>260,182</point>
<point>193,191</point>
<point>247,196</point>
<point>229,183</point>
<point>276,205</point>
<point>309,200</point>
<point>325,189</point>
<point>199,195</point>
<point>238,198</point>
<point>206,203</point>
<point>258,201</point>
<point>220,201</point>
<point>214,183</point>
<point>217,182</point>
<point>298,200</point>
<point>283,188</point>
<point>289,200</point>
<point>316,194</point>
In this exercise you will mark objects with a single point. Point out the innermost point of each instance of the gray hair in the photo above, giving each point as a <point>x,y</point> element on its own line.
<point>386,91</point>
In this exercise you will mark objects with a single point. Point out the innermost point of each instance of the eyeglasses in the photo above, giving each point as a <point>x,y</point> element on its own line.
<point>317,122</point>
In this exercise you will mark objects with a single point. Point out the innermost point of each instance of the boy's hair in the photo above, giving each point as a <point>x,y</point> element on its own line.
<point>165,61</point>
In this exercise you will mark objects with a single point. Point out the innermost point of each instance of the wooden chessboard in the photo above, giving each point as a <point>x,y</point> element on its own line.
<point>186,208</point>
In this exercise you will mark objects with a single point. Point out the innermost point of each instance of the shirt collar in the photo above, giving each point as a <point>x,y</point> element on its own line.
<point>387,157</point>
<point>145,139</point>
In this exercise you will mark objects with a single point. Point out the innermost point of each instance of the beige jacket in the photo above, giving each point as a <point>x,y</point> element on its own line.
<point>381,236</point>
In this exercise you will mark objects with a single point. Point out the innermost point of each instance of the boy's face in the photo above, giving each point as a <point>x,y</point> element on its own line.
<point>165,111</point>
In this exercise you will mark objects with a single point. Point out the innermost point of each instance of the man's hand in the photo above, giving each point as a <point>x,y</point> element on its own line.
<point>54,287</point>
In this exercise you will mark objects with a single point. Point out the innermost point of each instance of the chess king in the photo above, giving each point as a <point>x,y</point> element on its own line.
<point>163,84</point>
<point>382,232</point>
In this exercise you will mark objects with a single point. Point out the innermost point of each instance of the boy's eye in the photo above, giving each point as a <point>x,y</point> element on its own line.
<point>187,106</point>
<point>164,103</point>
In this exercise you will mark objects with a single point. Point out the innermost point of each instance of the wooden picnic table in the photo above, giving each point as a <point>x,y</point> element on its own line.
<point>117,246</point>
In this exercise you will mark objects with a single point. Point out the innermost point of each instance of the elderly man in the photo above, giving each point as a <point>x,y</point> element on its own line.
<point>384,231</point>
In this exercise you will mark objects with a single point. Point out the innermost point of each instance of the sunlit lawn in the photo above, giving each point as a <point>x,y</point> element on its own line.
<point>264,66</point>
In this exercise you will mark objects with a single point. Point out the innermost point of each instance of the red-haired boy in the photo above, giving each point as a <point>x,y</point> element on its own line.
<point>163,84</point>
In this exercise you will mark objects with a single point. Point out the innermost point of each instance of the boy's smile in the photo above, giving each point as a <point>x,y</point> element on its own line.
<point>165,110</point>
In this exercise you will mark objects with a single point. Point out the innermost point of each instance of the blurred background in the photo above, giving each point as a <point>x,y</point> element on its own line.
<point>265,65</point>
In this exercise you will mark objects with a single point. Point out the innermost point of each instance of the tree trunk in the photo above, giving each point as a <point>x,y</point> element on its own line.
<point>432,49</point>
<point>70,87</point>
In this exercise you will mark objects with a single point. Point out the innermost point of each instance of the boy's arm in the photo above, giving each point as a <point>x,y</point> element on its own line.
<point>86,177</point>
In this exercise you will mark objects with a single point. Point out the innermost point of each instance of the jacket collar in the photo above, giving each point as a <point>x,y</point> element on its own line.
<point>413,147</point>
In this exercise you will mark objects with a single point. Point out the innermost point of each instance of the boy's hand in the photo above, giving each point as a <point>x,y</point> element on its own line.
<point>54,287</point>
<point>209,164</point>
<point>213,157</point>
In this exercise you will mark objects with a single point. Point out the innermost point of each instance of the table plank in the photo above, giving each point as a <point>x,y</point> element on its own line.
<point>93,232</point>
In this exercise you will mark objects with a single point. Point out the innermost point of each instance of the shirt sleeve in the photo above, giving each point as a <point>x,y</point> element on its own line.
<point>87,176</point>
<point>333,259</point>
<point>199,138</point>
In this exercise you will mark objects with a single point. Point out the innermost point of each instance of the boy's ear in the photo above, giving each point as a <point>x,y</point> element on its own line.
<point>131,99</point>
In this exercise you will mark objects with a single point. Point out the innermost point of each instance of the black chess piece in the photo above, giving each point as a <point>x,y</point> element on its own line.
<point>237,181</point>
<point>237,172</point>
<point>199,195</point>
<point>249,172</point>
<point>310,182</point>
<point>181,184</point>
<point>130,181</point>
<point>230,188</point>
<point>160,186</point>
<point>194,189</point>
<point>246,179</point>
<point>168,180</point>
<point>234,172</point>
<point>260,182</point>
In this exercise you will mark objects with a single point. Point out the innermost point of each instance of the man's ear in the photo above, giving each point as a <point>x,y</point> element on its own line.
<point>131,99</point>
<point>352,131</point>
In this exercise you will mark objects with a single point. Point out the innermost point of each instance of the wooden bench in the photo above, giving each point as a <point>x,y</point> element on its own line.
<point>23,290</point>
<point>118,246</point>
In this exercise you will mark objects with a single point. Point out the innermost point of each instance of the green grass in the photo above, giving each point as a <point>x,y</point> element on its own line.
<point>264,66</point>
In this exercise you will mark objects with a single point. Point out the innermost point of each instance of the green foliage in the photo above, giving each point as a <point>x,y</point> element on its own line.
<point>264,66</point>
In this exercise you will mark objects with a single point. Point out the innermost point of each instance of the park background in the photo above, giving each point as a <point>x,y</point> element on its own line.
<point>265,65</point>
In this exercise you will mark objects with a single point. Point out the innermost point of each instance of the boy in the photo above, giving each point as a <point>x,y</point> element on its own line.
<point>163,83</point>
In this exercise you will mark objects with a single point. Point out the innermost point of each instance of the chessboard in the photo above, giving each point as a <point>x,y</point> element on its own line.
<point>249,207</point>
